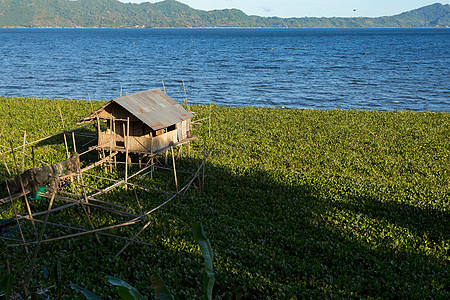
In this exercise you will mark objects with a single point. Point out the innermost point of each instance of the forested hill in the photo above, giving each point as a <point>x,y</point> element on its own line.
<point>170,13</point>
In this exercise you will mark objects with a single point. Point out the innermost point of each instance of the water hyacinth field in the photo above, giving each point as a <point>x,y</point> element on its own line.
<point>297,203</point>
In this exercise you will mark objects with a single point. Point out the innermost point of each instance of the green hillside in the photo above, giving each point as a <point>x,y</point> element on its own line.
<point>170,13</point>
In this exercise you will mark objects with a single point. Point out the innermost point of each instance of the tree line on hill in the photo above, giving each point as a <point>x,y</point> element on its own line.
<point>171,13</point>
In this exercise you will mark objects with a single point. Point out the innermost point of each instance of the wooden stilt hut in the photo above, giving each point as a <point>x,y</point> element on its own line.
<point>148,122</point>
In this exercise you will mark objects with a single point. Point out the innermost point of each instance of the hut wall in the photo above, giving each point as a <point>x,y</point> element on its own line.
<point>138,143</point>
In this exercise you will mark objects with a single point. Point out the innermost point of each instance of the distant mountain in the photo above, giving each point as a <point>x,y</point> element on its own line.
<point>170,13</point>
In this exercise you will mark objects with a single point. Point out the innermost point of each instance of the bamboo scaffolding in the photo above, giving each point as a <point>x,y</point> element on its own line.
<point>135,220</point>
<point>100,204</point>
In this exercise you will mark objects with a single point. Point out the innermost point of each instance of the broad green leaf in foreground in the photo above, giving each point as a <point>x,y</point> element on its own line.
<point>160,288</point>
<point>126,291</point>
<point>205,248</point>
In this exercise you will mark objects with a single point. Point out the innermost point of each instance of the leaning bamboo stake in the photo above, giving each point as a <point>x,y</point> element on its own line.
<point>151,156</point>
<point>209,128</point>
<point>4,162</point>
<point>203,177</point>
<point>185,96</point>
<point>90,101</point>
<point>164,88</point>
<point>3,127</point>
<point>23,190</point>
<point>174,170</point>
<point>137,200</point>
<point>23,150</point>
<point>74,144</point>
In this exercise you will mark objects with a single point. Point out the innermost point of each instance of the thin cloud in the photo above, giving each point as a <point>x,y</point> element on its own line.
<point>267,9</point>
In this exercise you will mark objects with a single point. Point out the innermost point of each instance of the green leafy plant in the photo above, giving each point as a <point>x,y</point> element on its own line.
<point>6,285</point>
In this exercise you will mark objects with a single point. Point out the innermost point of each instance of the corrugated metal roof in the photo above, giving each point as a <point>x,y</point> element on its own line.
<point>154,108</point>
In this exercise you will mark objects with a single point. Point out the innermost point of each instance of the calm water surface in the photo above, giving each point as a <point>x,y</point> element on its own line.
<point>375,69</point>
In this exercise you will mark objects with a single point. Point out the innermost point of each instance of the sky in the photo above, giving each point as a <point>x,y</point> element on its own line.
<point>310,8</point>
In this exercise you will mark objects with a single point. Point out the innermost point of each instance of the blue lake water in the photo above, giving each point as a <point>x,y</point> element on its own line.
<point>375,69</point>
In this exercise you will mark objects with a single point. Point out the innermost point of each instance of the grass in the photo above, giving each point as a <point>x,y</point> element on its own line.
<point>298,203</point>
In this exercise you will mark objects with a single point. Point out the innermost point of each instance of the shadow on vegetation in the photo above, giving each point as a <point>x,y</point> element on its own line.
<point>269,238</point>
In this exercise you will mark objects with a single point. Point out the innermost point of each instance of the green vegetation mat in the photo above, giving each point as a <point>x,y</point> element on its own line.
<point>297,203</point>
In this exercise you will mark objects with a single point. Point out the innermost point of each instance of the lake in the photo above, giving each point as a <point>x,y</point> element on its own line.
<point>373,69</point>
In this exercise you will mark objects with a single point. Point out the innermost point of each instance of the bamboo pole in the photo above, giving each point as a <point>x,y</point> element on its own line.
<point>137,201</point>
<point>126,153</point>
<point>185,96</point>
<point>74,144</point>
<point>23,190</point>
<point>100,141</point>
<point>32,156</point>
<point>64,133</point>
<point>164,88</point>
<point>110,143</point>
<point>75,151</point>
<point>23,150</point>
<point>90,101</point>
<point>204,165</point>
<point>209,128</point>
<point>115,143</point>
<point>151,156</point>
